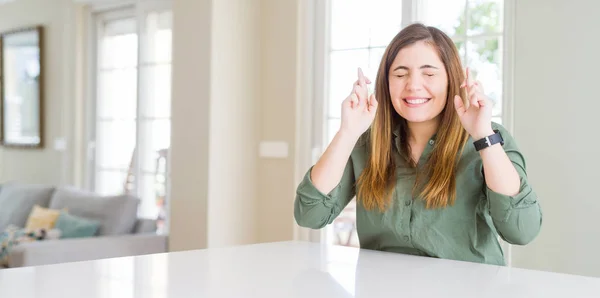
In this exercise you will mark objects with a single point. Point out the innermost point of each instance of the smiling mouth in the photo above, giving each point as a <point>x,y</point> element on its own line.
<point>416,101</point>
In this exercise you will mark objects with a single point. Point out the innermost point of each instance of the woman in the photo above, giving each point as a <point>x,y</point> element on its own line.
<point>433,175</point>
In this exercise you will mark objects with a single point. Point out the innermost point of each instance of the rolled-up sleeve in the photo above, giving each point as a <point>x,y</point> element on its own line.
<point>314,209</point>
<point>518,218</point>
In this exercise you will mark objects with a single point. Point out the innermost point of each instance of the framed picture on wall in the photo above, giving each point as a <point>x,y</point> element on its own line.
<point>21,87</point>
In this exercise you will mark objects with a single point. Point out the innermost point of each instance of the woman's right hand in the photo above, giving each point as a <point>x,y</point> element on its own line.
<point>358,112</point>
<point>358,109</point>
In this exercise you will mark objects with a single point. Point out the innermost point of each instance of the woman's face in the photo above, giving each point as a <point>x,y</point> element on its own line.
<point>418,83</point>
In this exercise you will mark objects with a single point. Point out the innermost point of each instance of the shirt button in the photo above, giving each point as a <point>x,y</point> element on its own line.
<point>406,238</point>
<point>431,142</point>
<point>407,203</point>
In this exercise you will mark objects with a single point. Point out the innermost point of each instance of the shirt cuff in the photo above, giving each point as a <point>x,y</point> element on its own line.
<point>309,194</point>
<point>501,205</point>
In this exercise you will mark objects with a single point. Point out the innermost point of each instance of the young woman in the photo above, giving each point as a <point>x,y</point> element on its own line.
<point>432,174</point>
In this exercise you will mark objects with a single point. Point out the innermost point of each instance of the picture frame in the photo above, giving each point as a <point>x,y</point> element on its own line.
<point>22,87</point>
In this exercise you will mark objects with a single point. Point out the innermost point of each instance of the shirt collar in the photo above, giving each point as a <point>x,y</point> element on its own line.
<point>396,132</point>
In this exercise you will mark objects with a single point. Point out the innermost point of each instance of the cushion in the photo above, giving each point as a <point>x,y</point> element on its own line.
<point>17,201</point>
<point>116,214</point>
<point>41,218</point>
<point>72,226</point>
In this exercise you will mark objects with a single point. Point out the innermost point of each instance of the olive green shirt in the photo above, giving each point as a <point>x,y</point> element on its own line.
<point>466,230</point>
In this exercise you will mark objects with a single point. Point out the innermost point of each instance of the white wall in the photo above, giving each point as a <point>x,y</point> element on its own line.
<point>556,109</point>
<point>58,18</point>
<point>234,116</point>
<point>279,47</point>
<point>240,66</point>
<point>215,123</point>
<point>190,107</point>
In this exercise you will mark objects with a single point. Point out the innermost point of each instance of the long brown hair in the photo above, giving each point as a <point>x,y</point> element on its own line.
<point>376,183</point>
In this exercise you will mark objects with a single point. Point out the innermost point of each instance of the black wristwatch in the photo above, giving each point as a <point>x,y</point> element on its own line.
<point>489,141</point>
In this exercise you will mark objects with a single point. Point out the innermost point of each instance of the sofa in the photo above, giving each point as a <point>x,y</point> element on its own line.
<point>120,233</point>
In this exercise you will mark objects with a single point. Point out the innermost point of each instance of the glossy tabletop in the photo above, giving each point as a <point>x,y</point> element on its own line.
<point>286,269</point>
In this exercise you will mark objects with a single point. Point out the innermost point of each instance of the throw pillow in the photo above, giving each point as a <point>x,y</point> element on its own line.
<point>72,226</point>
<point>17,200</point>
<point>41,218</point>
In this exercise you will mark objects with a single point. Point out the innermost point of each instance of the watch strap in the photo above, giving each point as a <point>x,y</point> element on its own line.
<point>489,141</point>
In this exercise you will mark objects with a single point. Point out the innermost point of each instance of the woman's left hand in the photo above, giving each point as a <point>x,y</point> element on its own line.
<point>476,116</point>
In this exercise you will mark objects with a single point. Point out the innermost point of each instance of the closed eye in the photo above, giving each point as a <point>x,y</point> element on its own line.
<point>429,74</point>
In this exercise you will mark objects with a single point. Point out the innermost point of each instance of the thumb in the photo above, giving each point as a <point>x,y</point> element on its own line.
<point>372,103</point>
<point>459,105</point>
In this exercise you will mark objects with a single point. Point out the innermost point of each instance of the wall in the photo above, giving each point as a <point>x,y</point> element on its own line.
<point>234,116</point>
<point>58,17</point>
<point>555,110</point>
<point>190,119</point>
<point>215,123</point>
<point>278,118</point>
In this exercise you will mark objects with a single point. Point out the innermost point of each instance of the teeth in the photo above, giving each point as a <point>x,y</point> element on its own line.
<point>417,101</point>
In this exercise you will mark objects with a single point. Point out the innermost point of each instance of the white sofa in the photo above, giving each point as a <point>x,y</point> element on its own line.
<point>121,232</point>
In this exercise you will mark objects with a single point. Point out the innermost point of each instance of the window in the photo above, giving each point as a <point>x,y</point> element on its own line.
<point>476,26</point>
<point>130,136</point>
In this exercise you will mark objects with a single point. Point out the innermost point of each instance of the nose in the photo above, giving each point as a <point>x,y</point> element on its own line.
<point>414,83</point>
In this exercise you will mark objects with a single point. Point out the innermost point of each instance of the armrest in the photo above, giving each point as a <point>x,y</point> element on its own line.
<point>85,249</point>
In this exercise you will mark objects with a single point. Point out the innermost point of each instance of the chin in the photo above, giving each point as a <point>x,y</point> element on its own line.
<point>417,118</point>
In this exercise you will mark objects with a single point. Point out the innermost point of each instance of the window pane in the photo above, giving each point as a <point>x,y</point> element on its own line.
<point>497,119</point>
<point>362,23</point>
<point>343,72</point>
<point>115,142</point>
<point>384,18</point>
<point>156,90</point>
<point>122,26</point>
<point>485,16</point>
<point>117,94</point>
<point>446,15</point>
<point>155,135</point>
<point>346,31</point>
<point>333,126</point>
<point>118,51</point>
<point>485,61</point>
<point>460,46</point>
<point>375,56</point>
<point>110,182</point>
<point>158,37</point>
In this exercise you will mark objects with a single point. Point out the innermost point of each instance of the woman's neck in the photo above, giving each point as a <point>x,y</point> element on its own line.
<point>419,133</point>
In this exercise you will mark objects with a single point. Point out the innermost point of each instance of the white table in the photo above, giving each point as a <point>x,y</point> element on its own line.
<point>287,269</point>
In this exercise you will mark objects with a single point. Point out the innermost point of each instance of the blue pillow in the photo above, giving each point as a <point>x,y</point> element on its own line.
<point>72,226</point>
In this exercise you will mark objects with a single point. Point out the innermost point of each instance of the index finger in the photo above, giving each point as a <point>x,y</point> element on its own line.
<point>468,79</point>
<point>361,77</point>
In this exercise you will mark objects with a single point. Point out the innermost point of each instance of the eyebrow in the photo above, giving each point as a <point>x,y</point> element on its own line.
<point>422,67</point>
